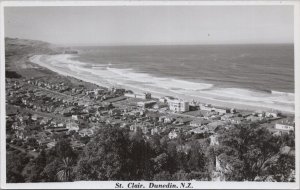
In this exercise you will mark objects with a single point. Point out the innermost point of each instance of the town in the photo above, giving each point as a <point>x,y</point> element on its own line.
<point>39,112</point>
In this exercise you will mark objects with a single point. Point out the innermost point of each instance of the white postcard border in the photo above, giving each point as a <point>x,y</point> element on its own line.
<point>112,184</point>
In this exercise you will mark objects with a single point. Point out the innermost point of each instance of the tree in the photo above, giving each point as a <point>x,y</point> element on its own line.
<point>160,163</point>
<point>32,142</point>
<point>197,160</point>
<point>65,169</point>
<point>15,163</point>
<point>63,150</point>
<point>246,149</point>
<point>51,170</point>
<point>105,157</point>
<point>139,162</point>
<point>36,168</point>
<point>162,176</point>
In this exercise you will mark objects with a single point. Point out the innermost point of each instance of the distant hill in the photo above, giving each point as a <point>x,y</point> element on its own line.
<point>16,46</point>
<point>17,52</point>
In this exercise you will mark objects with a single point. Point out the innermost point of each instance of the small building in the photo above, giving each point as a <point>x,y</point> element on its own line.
<point>172,134</point>
<point>287,124</point>
<point>146,104</point>
<point>51,144</point>
<point>86,132</point>
<point>162,100</point>
<point>236,120</point>
<point>214,140</point>
<point>221,111</point>
<point>198,122</point>
<point>272,114</point>
<point>72,126</point>
<point>75,117</point>
<point>34,117</point>
<point>206,107</point>
<point>284,127</point>
<point>198,130</point>
<point>155,130</point>
<point>115,112</point>
<point>168,119</point>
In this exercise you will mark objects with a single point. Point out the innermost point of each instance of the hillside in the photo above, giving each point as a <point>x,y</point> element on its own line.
<point>17,52</point>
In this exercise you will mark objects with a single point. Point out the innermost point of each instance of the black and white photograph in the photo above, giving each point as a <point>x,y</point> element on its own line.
<point>149,96</point>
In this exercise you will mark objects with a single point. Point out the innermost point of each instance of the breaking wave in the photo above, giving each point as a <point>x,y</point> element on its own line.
<point>104,74</point>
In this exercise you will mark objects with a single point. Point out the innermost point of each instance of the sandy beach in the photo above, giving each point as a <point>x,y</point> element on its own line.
<point>106,76</point>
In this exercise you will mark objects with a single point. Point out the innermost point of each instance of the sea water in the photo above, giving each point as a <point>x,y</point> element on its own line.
<point>250,75</point>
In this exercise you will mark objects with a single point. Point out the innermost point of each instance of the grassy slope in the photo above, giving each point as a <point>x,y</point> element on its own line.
<point>17,52</point>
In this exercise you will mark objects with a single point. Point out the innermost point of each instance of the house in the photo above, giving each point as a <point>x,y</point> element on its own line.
<point>236,120</point>
<point>253,118</point>
<point>214,140</point>
<point>285,124</point>
<point>169,119</point>
<point>284,127</point>
<point>75,117</point>
<point>51,144</point>
<point>221,111</point>
<point>34,117</point>
<point>198,130</point>
<point>124,125</point>
<point>155,130</point>
<point>198,122</point>
<point>60,125</point>
<point>172,134</point>
<point>184,120</point>
<point>146,104</point>
<point>193,105</point>
<point>272,114</point>
<point>206,107</point>
<point>72,126</point>
<point>133,127</point>
<point>162,100</point>
<point>86,132</point>
<point>232,110</point>
<point>227,116</point>
<point>145,129</point>
<point>115,112</point>
<point>45,121</point>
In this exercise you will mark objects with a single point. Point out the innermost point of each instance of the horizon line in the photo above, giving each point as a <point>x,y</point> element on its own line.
<point>153,44</point>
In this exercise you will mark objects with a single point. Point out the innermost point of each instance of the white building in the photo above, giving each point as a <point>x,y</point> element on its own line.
<point>284,127</point>
<point>75,117</point>
<point>172,135</point>
<point>206,107</point>
<point>71,126</point>
<point>178,105</point>
<point>221,111</point>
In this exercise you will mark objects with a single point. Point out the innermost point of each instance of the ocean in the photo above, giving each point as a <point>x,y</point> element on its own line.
<point>244,75</point>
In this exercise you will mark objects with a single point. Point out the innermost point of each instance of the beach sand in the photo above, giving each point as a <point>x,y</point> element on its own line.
<point>111,77</point>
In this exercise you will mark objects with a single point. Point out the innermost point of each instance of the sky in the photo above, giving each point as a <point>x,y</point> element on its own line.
<point>146,25</point>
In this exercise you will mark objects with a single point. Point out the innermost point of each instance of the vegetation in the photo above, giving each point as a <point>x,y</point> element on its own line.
<point>245,152</point>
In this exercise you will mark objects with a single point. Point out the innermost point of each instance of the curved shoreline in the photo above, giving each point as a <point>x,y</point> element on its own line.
<point>83,74</point>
